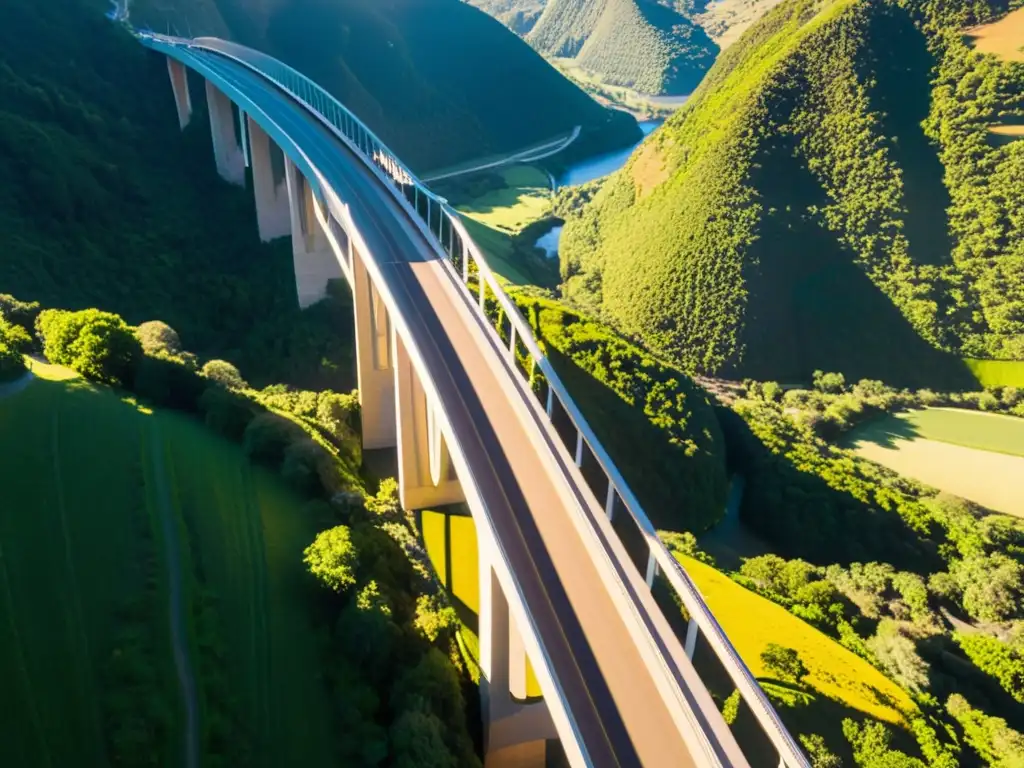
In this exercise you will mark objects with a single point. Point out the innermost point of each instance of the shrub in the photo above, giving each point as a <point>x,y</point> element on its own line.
<point>21,313</point>
<point>304,465</point>
<point>332,559</point>
<point>831,383</point>
<point>168,382</point>
<point>226,412</point>
<point>225,374</point>
<point>784,663</point>
<point>267,437</point>
<point>995,658</point>
<point>14,336</point>
<point>434,619</point>
<point>98,345</point>
<point>12,364</point>
<point>897,655</point>
<point>158,338</point>
<point>819,753</point>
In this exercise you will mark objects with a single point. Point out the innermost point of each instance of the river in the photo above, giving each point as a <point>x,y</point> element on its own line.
<point>587,170</point>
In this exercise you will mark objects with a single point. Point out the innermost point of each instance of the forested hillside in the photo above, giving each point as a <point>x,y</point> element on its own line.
<point>639,44</point>
<point>104,202</point>
<point>438,80</point>
<point>834,197</point>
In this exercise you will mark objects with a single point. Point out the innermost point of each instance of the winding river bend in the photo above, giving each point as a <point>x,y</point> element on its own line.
<point>588,170</point>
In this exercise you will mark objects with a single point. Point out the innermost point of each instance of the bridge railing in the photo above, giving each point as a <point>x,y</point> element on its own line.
<point>447,228</point>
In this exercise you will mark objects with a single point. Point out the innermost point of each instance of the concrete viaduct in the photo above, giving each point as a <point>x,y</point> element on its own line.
<point>477,414</point>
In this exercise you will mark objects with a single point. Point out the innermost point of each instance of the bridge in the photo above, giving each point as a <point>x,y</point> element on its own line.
<point>450,375</point>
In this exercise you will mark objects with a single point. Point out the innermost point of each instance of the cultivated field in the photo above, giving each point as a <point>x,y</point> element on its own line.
<point>1004,38</point>
<point>975,455</point>
<point>84,479</point>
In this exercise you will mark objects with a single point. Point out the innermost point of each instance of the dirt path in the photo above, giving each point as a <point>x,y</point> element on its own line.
<point>179,637</point>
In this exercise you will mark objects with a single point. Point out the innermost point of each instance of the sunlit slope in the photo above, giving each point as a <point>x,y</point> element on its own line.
<point>751,622</point>
<point>438,80</point>
<point>823,202</point>
<point>639,44</point>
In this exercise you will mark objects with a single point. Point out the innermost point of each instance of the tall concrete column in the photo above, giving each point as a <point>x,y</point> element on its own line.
<point>182,97</point>
<point>514,732</point>
<point>270,188</point>
<point>375,373</point>
<point>426,477</point>
<point>314,260</point>
<point>226,152</point>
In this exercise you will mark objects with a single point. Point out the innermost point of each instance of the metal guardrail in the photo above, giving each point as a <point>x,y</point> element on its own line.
<point>446,226</point>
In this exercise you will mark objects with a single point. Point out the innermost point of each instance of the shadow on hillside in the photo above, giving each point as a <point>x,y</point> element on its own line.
<point>885,431</point>
<point>899,62</point>
<point>800,515</point>
<point>811,307</point>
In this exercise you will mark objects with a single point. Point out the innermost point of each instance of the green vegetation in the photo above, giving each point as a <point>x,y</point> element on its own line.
<point>673,458</point>
<point>837,681</point>
<point>998,373</point>
<point>828,199</point>
<point>439,81</point>
<point>104,203</point>
<point>641,45</point>
<point>507,200</point>
<point>292,669</point>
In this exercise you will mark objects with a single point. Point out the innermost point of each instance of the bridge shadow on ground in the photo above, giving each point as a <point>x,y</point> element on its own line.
<point>811,307</point>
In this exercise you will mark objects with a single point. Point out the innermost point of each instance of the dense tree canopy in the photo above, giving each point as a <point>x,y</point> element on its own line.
<point>831,198</point>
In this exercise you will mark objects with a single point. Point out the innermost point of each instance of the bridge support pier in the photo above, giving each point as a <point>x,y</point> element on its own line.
<point>179,84</point>
<point>314,261</point>
<point>273,212</point>
<point>375,371</point>
<point>226,152</point>
<point>515,732</point>
<point>426,477</point>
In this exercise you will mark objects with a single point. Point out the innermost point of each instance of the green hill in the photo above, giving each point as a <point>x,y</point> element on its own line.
<point>831,198</point>
<point>639,44</point>
<point>438,80</point>
<point>104,202</point>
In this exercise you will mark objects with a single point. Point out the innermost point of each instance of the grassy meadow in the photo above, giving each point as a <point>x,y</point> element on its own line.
<point>85,478</point>
<point>978,456</point>
<point>998,373</point>
<point>524,199</point>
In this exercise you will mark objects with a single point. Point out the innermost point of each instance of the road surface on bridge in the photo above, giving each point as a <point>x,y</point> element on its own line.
<point>611,693</point>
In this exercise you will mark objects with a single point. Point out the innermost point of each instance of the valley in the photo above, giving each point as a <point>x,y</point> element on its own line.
<point>791,312</point>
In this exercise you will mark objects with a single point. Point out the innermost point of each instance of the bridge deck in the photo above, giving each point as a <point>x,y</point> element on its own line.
<point>611,694</point>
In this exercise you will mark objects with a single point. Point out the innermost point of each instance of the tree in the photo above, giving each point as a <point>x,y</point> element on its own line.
<point>336,413</point>
<point>435,619</point>
<point>830,383</point>
<point>332,558</point>
<point>98,345</point>
<point>994,741</point>
<point>225,374</point>
<point>784,663</point>
<point>417,741</point>
<point>870,744</point>
<point>996,658</point>
<point>898,656</point>
<point>990,586</point>
<point>367,634</point>
<point>819,753</point>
